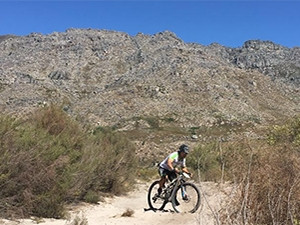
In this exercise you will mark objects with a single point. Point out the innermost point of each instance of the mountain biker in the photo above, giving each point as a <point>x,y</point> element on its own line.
<point>170,166</point>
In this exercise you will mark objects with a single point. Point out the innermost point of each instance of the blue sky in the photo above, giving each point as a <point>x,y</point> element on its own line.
<point>229,23</point>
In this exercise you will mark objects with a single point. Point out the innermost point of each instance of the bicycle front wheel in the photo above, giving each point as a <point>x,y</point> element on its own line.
<point>186,198</point>
<point>155,201</point>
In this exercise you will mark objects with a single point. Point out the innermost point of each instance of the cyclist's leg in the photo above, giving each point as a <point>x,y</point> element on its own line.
<point>163,178</point>
<point>171,175</point>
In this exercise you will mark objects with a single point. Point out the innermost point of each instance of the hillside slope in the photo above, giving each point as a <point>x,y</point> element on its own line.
<point>112,78</point>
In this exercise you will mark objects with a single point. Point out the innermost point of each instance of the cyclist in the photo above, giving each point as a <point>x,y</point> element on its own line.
<point>170,166</point>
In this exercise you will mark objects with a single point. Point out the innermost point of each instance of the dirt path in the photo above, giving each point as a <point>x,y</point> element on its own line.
<point>110,212</point>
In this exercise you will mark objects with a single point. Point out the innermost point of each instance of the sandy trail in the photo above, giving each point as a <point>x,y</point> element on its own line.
<point>110,212</point>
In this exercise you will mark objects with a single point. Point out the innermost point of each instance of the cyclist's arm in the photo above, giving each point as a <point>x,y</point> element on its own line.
<point>184,169</point>
<point>169,163</point>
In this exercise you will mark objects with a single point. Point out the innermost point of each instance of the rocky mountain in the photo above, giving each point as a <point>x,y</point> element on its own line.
<point>112,78</point>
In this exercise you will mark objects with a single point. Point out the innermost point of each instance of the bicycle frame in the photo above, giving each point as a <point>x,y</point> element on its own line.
<point>172,188</point>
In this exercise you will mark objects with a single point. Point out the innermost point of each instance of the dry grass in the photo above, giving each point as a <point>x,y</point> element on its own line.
<point>79,219</point>
<point>268,190</point>
<point>265,174</point>
<point>268,181</point>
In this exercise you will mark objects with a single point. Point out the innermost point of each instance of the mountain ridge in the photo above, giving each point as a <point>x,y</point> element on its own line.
<point>110,78</point>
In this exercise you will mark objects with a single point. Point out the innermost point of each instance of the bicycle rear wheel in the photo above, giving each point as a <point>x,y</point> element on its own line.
<point>186,198</point>
<point>155,201</point>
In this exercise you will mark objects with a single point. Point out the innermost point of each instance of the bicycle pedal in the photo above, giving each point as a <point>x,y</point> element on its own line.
<point>155,197</point>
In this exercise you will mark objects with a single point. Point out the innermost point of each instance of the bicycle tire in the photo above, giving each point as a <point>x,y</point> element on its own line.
<point>159,203</point>
<point>191,204</point>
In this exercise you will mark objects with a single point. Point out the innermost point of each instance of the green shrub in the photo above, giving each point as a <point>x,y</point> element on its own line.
<point>204,158</point>
<point>216,161</point>
<point>287,133</point>
<point>91,197</point>
<point>111,157</point>
<point>147,174</point>
<point>152,121</point>
<point>48,160</point>
<point>29,175</point>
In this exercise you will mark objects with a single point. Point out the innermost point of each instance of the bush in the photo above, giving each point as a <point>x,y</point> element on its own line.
<point>287,133</point>
<point>268,181</point>
<point>266,177</point>
<point>205,159</point>
<point>216,161</point>
<point>147,173</point>
<point>269,190</point>
<point>28,176</point>
<point>48,160</point>
<point>108,163</point>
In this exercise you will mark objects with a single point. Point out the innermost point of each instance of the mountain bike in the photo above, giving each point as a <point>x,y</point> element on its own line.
<point>184,196</point>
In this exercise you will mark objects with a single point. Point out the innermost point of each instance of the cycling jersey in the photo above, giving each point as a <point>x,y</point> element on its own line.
<point>176,161</point>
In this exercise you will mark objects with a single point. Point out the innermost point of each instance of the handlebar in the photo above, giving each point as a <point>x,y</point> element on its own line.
<point>186,175</point>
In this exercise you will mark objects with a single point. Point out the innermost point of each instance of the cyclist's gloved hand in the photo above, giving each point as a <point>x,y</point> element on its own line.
<point>176,170</point>
<point>188,173</point>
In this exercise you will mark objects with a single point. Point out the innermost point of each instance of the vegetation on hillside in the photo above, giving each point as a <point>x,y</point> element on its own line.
<point>266,175</point>
<point>48,160</point>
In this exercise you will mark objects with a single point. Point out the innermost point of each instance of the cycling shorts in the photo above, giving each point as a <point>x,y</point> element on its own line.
<point>164,172</point>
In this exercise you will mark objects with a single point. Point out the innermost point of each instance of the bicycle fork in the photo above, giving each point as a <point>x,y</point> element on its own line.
<point>183,191</point>
<point>184,194</point>
<point>182,188</point>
